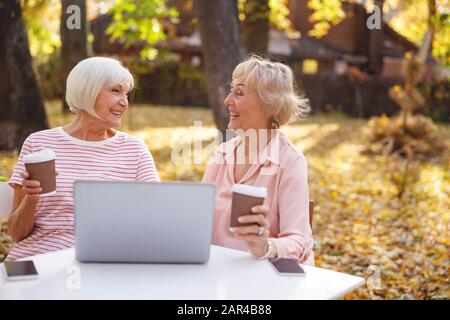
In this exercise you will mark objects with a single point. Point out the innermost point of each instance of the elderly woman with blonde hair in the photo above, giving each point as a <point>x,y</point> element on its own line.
<point>89,147</point>
<point>261,99</point>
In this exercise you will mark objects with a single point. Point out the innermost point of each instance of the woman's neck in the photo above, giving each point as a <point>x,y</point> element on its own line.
<point>247,151</point>
<point>86,127</point>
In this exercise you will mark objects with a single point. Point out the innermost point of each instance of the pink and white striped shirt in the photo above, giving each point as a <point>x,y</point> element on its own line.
<point>120,158</point>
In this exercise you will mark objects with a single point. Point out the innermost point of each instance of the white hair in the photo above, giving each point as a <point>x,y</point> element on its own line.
<point>274,84</point>
<point>90,76</point>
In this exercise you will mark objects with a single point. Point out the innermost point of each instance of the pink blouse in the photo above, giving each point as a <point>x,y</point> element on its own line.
<point>283,171</point>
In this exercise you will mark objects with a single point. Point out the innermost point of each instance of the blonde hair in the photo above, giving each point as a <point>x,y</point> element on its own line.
<point>274,84</point>
<point>90,76</point>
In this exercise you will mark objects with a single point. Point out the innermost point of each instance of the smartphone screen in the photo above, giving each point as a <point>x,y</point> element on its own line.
<point>20,270</point>
<point>286,266</point>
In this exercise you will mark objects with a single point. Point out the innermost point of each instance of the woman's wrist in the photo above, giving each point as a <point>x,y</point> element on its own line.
<point>270,251</point>
<point>30,199</point>
<point>274,252</point>
<point>21,220</point>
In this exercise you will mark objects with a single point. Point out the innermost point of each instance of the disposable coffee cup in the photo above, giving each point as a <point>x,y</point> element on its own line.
<point>41,167</point>
<point>244,198</point>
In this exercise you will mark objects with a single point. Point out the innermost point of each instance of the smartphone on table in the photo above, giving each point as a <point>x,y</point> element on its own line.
<point>286,266</point>
<point>20,270</point>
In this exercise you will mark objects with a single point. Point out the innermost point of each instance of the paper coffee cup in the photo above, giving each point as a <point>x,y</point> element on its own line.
<point>244,198</point>
<point>41,167</point>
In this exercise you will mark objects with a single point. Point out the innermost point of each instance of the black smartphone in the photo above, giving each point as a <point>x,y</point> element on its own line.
<point>286,266</point>
<point>20,270</point>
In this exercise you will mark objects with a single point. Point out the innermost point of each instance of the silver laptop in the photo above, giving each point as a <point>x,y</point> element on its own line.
<point>143,221</point>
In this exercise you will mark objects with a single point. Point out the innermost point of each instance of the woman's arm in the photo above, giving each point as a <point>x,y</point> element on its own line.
<point>257,243</point>
<point>21,219</point>
<point>295,238</point>
<point>146,170</point>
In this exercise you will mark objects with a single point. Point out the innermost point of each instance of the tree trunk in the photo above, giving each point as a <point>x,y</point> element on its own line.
<point>222,51</point>
<point>21,109</point>
<point>73,38</point>
<point>376,42</point>
<point>256,26</point>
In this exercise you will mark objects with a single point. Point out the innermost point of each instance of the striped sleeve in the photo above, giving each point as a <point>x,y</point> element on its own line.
<point>146,170</point>
<point>16,179</point>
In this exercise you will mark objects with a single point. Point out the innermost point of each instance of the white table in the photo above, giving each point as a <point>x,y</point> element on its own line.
<point>229,274</point>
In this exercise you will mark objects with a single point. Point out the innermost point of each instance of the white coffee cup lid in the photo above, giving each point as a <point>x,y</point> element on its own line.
<point>260,192</point>
<point>40,156</point>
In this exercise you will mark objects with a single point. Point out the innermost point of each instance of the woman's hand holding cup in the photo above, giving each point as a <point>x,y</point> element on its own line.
<point>40,172</point>
<point>251,234</point>
<point>30,187</point>
<point>248,220</point>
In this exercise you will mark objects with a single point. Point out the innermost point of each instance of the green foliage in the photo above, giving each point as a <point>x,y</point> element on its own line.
<point>412,21</point>
<point>42,22</point>
<point>50,77</point>
<point>439,94</point>
<point>136,21</point>
<point>161,71</point>
<point>167,80</point>
<point>278,13</point>
<point>441,41</point>
<point>141,67</point>
<point>254,10</point>
<point>192,83</point>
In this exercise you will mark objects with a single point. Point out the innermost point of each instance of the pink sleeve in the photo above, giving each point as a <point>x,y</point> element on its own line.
<point>209,175</point>
<point>27,148</point>
<point>295,238</point>
<point>146,167</point>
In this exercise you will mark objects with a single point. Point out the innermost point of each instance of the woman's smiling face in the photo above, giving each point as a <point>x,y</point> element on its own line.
<point>245,108</point>
<point>111,103</point>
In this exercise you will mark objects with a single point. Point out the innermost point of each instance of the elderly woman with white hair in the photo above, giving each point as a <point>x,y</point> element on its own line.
<point>89,147</point>
<point>261,99</point>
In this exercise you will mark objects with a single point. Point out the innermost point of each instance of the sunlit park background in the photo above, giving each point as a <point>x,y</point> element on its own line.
<point>377,141</point>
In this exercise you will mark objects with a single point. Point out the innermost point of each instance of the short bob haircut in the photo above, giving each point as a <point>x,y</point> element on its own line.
<point>274,84</point>
<point>90,76</point>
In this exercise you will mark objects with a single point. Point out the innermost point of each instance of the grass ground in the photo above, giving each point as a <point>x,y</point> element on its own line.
<point>361,227</point>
